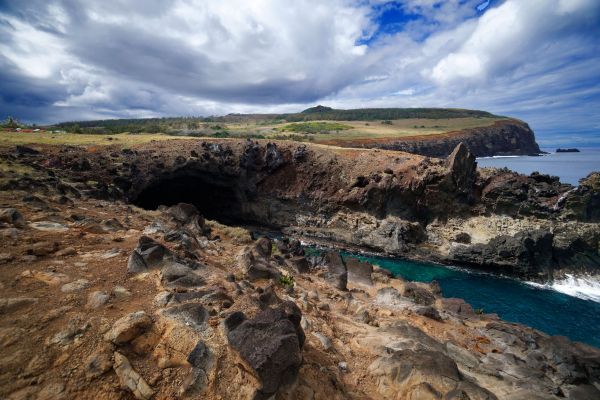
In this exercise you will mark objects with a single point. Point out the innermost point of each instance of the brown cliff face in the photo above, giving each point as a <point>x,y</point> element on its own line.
<point>505,137</point>
<point>385,201</point>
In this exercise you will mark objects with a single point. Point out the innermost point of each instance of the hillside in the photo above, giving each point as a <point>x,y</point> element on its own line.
<point>426,131</point>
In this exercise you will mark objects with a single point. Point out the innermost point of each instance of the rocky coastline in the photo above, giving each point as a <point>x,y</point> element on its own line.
<point>507,137</point>
<point>442,210</point>
<point>163,302</point>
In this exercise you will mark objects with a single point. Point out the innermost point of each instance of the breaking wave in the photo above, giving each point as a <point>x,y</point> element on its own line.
<point>582,287</point>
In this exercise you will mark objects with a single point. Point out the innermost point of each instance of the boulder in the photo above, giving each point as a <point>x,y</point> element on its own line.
<point>418,294</point>
<point>193,315</point>
<point>128,328</point>
<point>456,306</point>
<point>263,247</point>
<point>462,165</point>
<point>271,343</point>
<point>335,273</point>
<point>12,217</point>
<point>359,272</point>
<point>299,264</point>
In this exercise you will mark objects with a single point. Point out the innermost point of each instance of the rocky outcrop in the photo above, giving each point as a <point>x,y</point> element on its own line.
<point>271,343</point>
<point>504,137</point>
<point>525,254</point>
<point>383,201</point>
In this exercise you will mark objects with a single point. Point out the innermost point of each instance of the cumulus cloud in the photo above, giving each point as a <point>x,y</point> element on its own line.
<point>68,59</point>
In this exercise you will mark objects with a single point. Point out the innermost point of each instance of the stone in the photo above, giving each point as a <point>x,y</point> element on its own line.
<point>75,286</point>
<point>323,340</point>
<point>462,237</point>
<point>162,298</point>
<point>457,306</point>
<point>49,226</point>
<point>130,379</point>
<point>67,251</point>
<point>336,273</point>
<point>129,327</point>
<point>43,248</point>
<point>429,312</point>
<point>179,276</point>
<point>418,294</point>
<point>193,315</point>
<point>271,343</point>
<point>183,212</point>
<point>99,363</point>
<point>136,263</point>
<point>461,355</point>
<point>299,264</point>
<point>257,270</point>
<point>462,165</point>
<point>422,374</point>
<point>233,320</point>
<point>12,217</point>
<point>263,247</point>
<point>12,304</point>
<point>120,292</point>
<point>359,272</point>
<point>96,300</point>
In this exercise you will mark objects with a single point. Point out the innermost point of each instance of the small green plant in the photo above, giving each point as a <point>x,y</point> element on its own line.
<point>287,281</point>
<point>479,311</point>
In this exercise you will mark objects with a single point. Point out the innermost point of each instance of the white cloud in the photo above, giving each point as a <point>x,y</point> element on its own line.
<point>190,57</point>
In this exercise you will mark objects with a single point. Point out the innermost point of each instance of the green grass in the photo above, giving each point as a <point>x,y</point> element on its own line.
<point>314,127</point>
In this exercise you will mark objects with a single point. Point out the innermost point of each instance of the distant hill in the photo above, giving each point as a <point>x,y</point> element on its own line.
<point>154,125</point>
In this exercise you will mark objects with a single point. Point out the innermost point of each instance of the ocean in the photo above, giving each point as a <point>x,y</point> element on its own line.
<point>575,315</point>
<point>569,167</point>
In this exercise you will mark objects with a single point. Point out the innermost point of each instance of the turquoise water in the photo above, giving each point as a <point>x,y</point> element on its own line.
<point>547,310</point>
<point>569,167</point>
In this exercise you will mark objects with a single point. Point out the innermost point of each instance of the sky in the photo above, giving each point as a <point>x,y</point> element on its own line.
<point>537,60</point>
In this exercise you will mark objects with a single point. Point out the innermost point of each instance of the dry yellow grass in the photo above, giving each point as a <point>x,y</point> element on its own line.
<point>28,138</point>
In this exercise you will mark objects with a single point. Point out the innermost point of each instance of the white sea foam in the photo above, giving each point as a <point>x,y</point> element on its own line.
<point>583,287</point>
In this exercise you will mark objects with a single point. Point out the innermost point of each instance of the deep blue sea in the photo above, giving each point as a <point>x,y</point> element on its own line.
<point>542,308</point>
<point>569,167</point>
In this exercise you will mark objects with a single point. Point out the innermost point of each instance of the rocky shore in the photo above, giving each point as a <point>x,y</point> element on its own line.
<point>443,210</point>
<point>101,299</point>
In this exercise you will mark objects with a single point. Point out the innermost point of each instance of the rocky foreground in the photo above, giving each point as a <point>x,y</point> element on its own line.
<point>102,299</point>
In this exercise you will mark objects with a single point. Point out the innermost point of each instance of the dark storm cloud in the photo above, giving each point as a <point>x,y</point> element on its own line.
<point>98,59</point>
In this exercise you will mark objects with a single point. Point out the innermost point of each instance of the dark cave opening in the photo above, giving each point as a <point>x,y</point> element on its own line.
<point>215,198</point>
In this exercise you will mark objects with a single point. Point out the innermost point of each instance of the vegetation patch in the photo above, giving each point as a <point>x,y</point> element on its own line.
<point>314,127</point>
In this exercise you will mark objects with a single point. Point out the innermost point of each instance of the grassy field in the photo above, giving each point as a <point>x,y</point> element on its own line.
<point>327,131</point>
<point>324,132</point>
<point>28,138</point>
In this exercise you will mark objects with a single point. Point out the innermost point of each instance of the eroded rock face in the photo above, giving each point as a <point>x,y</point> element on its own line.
<point>526,253</point>
<point>271,344</point>
<point>423,374</point>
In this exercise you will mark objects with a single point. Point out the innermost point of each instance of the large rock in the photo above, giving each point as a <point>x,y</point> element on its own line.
<point>335,270</point>
<point>128,328</point>
<point>12,217</point>
<point>359,272</point>
<point>526,254</point>
<point>462,165</point>
<point>271,344</point>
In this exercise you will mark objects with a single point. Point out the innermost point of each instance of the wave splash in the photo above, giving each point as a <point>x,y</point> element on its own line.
<point>582,287</point>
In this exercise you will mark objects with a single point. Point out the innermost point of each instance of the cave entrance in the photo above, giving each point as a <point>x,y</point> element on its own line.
<point>215,198</point>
